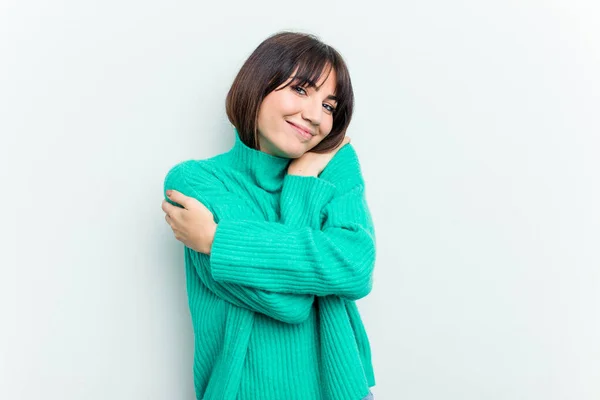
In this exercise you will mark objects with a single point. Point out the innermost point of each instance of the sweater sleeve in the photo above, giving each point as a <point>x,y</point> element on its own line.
<point>303,199</point>
<point>323,245</point>
<point>337,259</point>
<point>191,180</point>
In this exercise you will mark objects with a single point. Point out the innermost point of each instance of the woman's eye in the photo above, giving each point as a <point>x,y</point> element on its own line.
<point>299,89</point>
<point>329,108</point>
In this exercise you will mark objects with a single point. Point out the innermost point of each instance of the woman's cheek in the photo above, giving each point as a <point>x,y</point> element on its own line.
<point>291,104</point>
<point>328,126</point>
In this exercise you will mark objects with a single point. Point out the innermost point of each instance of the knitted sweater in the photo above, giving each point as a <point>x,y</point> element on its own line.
<point>273,306</point>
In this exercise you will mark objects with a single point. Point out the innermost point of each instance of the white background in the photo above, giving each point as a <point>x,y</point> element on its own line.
<point>477,125</point>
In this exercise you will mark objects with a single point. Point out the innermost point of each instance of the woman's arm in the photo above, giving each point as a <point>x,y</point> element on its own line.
<point>190,179</point>
<point>323,245</point>
<point>337,259</point>
<point>292,256</point>
<point>284,307</point>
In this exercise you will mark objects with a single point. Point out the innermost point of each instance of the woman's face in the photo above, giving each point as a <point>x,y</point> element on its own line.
<point>293,120</point>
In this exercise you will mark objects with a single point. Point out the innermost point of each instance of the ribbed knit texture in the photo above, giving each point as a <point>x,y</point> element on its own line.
<point>273,306</point>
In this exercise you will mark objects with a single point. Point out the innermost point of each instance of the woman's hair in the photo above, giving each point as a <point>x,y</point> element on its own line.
<point>272,64</point>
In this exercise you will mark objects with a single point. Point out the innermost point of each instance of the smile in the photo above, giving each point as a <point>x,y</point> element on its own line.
<point>300,131</point>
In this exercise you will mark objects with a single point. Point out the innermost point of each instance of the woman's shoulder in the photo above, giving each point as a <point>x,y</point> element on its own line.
<point>193,175</point>
<point>203,180</point>
<point>197,169</point>
<point>344,169</point>
<point>181,170</point>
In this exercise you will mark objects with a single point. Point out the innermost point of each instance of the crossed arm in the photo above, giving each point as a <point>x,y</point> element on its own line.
<point>324,244</point>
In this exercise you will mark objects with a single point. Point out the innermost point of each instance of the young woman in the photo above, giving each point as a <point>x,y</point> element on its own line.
<point>279,240</point>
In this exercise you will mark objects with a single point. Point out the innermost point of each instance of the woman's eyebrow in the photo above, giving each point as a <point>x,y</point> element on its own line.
<point>311,84</point>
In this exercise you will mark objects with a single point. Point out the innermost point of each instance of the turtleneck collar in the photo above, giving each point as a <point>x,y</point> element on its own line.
<point>265,170</point>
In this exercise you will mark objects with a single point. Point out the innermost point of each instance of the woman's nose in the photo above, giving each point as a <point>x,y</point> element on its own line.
<point>312,112</point>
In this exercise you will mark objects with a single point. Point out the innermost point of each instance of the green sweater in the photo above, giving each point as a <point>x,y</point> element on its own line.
<point>273,306</point>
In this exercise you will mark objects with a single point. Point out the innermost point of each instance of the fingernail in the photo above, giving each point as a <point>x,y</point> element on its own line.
<point>169,193</point>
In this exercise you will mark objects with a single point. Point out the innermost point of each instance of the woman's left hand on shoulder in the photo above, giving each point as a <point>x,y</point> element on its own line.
<point>312,164</point>
<point>193,225</point>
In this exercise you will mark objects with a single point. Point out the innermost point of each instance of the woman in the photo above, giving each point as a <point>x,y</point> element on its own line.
<point>279,241</point>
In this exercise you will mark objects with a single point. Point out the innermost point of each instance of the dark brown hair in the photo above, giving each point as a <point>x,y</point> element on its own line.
<point>273,63</point>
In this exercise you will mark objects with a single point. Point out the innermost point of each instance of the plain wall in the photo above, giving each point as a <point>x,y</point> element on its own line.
<point>477,125</point>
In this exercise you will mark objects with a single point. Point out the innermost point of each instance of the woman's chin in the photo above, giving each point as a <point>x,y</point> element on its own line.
<point>292,152</point>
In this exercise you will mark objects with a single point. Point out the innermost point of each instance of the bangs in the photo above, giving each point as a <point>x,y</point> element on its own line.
<point>310,67</point>
<point>309,72</point>
<point>306,69</point>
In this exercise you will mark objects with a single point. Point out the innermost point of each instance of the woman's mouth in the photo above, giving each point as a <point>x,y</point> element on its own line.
<point>300,131</point>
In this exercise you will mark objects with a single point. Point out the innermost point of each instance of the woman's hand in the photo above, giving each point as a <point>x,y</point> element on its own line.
<point>192,225</point>
<point>312,164</point>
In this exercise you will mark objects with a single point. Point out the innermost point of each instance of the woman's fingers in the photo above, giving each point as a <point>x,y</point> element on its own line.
<point>165,206</point>
<point>169,210</point>
<point>178,198</point>
<point>344,142</point>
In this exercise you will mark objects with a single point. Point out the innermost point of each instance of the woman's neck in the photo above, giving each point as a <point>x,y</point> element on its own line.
<point>265,170</point>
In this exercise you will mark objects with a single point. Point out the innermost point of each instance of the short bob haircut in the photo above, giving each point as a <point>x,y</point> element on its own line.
<point>272,64</point>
